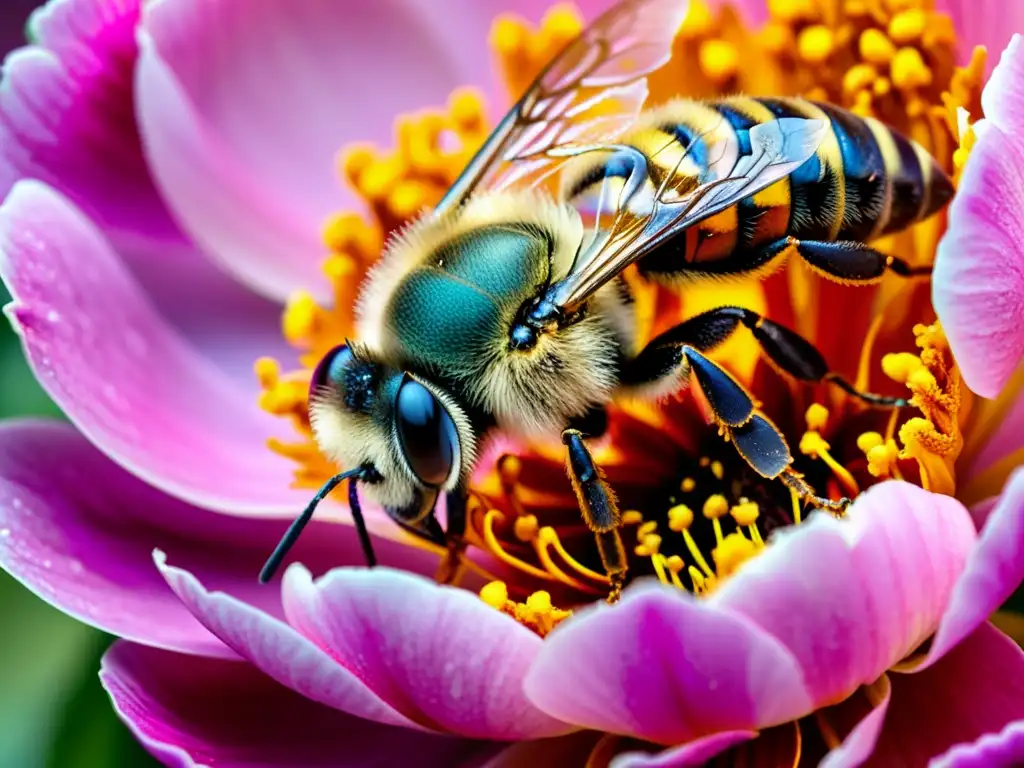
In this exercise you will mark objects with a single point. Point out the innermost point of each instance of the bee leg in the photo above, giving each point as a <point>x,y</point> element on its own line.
<point>854,262</point>
<point>789,351</point>
<point>679,352</point>
<point>599,508</point>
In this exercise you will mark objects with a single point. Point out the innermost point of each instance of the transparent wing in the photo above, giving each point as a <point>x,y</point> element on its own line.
<point>645,211</point>
<point>589,94</point>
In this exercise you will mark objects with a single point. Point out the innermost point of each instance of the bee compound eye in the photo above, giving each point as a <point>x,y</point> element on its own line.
<point>331,368</point>
<point>426,432</point>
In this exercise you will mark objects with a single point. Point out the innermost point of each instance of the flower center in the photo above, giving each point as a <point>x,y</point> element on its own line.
<point>696,513</point>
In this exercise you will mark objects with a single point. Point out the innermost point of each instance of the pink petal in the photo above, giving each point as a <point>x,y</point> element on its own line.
<point>976,689</point>
<point>192,712</point>
<point>665,667</point>
<point>438,651</point>
<point>281,652</point>
<point>696,753</point>
<point>245,106</point>
<point>993,571</point>
<point>849,598</point>
<point>125,378</point>
<point>79,531</point>
<point>1003,439</point>
<point>1003,97</point>
<point>978,282</point>
<point>983,22</point>
<point>993,750</point>
<point>67,119</point>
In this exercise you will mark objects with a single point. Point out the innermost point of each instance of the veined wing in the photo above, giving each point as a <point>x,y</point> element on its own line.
<point>589,94</point>
<point>646,212</point>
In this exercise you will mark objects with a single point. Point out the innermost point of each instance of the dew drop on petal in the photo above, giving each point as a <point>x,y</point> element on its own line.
<point>5,533</point>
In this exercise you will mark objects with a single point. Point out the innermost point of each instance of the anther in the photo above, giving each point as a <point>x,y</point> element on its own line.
<point>687,485</point>
<point>731,553</point>
<point>680,518</point>
<point>715,507</point>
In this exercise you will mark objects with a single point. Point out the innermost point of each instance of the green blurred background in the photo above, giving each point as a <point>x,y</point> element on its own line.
<point>53,712</point>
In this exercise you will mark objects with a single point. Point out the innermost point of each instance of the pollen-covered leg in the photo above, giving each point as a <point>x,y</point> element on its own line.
<point>852,262</point>
<point>599,508</point>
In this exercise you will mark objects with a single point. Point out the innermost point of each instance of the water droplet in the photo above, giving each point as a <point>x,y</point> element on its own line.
<point>4,533</point>
<point>53,315</point>
<point>47,563</point>
<point>17,503</point>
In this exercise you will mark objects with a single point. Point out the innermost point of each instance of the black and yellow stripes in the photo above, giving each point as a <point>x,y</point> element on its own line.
<point>864,181</point>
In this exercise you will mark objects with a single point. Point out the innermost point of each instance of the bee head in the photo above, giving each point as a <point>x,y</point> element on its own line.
<point>413,439</point>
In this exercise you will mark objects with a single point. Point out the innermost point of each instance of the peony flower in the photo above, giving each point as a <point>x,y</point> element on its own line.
<point>151,154</point>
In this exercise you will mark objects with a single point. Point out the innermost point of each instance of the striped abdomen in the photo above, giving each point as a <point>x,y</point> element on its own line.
<point>865,180</point>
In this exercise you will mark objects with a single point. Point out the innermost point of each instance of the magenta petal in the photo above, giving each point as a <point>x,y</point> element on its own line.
<point>978,282</point>
<point>66,116</point>
<point>976,689</point>
<point>198,713</point>
<point>993,571</point>
<point>993,750</point>
<point>79,531</point>
<point>435,650</point>
<point>665,667</point>
<point>696,753</point>
<point>122,375</point>
<point>990,23</point>
<point>245,106</point>
<point>849,598</point>
<point>280,651</point>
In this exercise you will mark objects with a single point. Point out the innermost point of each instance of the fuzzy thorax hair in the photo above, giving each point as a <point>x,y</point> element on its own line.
<point>534,393</point>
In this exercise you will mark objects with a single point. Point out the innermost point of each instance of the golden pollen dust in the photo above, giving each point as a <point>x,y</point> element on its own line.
<point>702,517</point>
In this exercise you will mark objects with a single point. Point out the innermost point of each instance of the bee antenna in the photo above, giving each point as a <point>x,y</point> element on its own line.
<point>295,529</point>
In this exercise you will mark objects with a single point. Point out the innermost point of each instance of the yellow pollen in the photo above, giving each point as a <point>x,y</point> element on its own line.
<point>907,26</point>
<point>876,48</point>
<point>632,517</point>
<point>680,517</point>
<point>909,70</point>
<point>688,485</point>
<point>731,553</point>
<point>526,527</point>
<point>817,417</point>
<point>649,546</point>
<point>715,507</point>
<point>719,60</point>
<point>813,444</point>
<point>745,513</point>
<point>537,613</point>
<point>934,439</point>
<point>816,44</point>
<point>717,470</point>
<point>869,440</point>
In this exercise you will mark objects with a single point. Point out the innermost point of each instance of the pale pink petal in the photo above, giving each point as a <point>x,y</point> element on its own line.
<point>438,651</point>
<point>203,713</point>
<point>665,667</point>
<point>695,753</point>
<point>983,22</point>
<point>79,531</point>
<point>122,375</point>
<point>976,689</point>
<point>978,282</point>
<point>993,750</point>
<point>1004,439</point>
<point>66,118</point>
<point>993,571</point>
<point>245,106</point>
<point>849,598</point>
<point>1002,100</point>
<point>281,652</point>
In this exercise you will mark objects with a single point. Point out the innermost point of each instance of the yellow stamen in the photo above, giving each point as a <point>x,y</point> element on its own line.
<point>546,536</point>
<point>934,439</point>
<point>813,444</point>
<point>555,543</point>
<point>717,470</point>
<point>537,613</point>
<point>496,549</point>
<point>731,553</point>
<point>688,485</point>
<point>797,507</point>
<point>714,508</point>
<point>659,568</point>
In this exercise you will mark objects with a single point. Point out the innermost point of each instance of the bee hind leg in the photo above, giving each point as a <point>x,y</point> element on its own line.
<point>599,508</point>
<point>853,262</point>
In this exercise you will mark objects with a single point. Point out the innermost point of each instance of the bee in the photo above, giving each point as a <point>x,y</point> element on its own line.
<point>504,309</point>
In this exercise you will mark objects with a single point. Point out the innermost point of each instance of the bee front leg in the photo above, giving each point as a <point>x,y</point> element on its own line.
<point>599,508</point>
